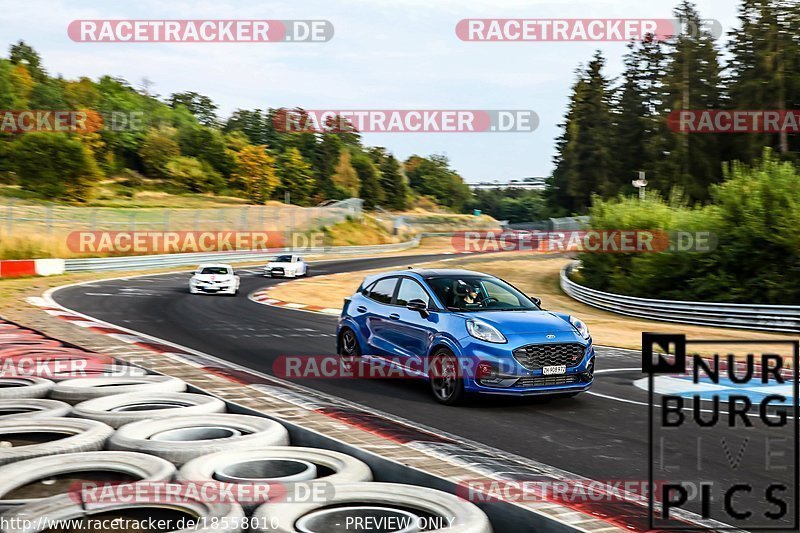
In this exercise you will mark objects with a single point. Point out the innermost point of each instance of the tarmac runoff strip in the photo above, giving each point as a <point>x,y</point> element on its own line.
<point>425,449</point>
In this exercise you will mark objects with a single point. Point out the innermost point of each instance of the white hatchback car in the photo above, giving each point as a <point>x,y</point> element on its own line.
<point>214,278</point>
<point>287,266</point>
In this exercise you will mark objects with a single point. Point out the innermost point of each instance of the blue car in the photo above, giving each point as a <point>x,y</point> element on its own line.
<point>464,332</point>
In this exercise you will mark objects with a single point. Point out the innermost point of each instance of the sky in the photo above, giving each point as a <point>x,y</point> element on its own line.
<point>385,54</point>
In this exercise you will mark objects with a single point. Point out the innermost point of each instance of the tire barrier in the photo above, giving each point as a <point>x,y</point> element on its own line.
<point>418,508</point>
<point>81,389</point>
<point>23,439</point>
<point>54,468</point>
<point>120,409</point>
<point>276,464</point>
<point>32,408</point>
<point>24,482</point>
<point>209,517</point>
<point>12,388</point>
<point>180,439</point>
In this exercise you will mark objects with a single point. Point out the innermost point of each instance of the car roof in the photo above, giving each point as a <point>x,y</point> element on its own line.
<point>214,265</point>
<point>421,273</point>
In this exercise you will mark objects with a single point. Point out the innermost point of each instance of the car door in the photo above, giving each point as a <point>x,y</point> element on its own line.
<point>377,304</point>
<point>411,331</point>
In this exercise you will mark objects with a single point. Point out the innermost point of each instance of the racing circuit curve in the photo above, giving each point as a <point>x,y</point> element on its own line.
<point>600,435</point>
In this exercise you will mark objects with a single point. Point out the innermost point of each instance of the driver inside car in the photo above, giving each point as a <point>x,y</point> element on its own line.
<point>467,295</point>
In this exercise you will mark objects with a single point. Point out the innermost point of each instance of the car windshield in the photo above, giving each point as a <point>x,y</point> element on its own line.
<point>478,293</point>
<point>283,259</point>
<point>220,271</point>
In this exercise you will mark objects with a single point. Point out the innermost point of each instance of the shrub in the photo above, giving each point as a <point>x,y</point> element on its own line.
<point>54,165</point>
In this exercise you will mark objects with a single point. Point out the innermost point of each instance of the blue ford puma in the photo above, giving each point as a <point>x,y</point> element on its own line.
<point>465,332</point>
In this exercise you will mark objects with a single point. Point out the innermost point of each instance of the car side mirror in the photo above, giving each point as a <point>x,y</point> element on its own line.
<point>420,306</point>
<point>537,301</point>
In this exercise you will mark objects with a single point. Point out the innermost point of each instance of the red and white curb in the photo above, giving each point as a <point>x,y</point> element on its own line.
<point>262,296</point>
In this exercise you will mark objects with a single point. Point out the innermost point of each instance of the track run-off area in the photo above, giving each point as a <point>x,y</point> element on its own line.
<point>600,435</point>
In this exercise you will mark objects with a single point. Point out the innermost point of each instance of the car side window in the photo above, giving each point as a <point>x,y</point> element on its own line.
<point>383,290</point>
<point>498,293</point>
<point>411,290</point>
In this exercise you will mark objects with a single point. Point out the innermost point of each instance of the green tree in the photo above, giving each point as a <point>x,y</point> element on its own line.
<point>48,94</point>
<point>255,124</point>
<point>24,54</point>
<point>764,73</point>
<point>690,162</point>
<point>206,144</point>
<point>55,166</point>
<point>393,180</point>
<point>584,163</point>
<point>433,177</point>
<point>634,113</point>
<point>369,177</point>
<point>255,172</point>
<point>158,149</point>
<point>344,176</point>
<point>194,175</point>
<point>8,93</point>
<point>296,176</point>
<point>202,107</point>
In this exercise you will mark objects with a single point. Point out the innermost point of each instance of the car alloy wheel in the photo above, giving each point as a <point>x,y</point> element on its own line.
<point>446,385</point>
<point>349,349</point>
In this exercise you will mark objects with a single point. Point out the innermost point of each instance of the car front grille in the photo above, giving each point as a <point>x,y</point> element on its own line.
<point>546,381</point>
<point>535,356</point>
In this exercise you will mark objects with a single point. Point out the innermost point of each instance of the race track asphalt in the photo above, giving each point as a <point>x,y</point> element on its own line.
<point>601,435</point>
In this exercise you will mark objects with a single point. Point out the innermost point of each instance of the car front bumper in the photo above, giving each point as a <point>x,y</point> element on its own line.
<point>511,378</point>
<point>280,272</point>
<point>213,289</point>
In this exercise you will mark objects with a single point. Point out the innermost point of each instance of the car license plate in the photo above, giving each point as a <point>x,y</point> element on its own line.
<point>554,370</point>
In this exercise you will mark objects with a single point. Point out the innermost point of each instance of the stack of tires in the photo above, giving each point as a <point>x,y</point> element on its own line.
<point>129,445</point>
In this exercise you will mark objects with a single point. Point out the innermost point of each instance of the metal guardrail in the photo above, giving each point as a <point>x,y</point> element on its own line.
<point>783,318</point>
<point>140,262</point>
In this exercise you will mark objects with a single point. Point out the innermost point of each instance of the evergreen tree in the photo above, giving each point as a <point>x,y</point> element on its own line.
<point>369,177</point>
<point>635,119</point>
<point>764,70</point>
<point>392,179</point>
<point>689,161</point>
<point>584,162</point>
<point>296,176</point>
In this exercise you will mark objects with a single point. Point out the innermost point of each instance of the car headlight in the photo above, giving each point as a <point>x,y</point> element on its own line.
<point>580,327</point>
<point>485,332</point>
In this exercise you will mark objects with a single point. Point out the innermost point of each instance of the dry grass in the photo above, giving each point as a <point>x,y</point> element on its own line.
<point>536,276</point>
